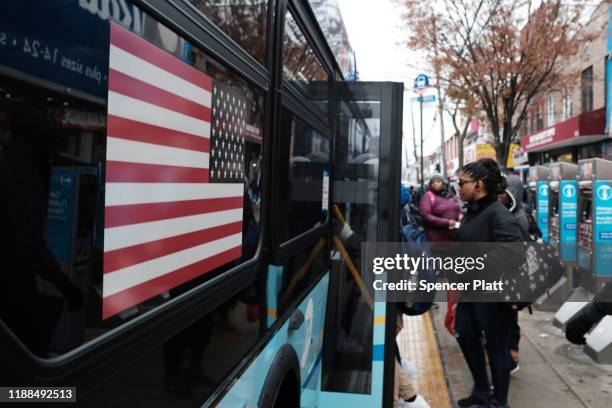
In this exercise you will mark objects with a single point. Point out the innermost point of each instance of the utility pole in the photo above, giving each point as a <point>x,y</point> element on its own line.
<point>414,142</point>
<point>440,105</point>
<point>421,109</point>
<point>421,83</point>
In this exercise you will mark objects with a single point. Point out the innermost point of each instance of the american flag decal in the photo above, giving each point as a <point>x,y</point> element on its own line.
<point>168,219</point>
<point>227,135</point>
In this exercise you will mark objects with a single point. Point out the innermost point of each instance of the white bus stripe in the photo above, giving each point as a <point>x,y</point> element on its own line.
<point>131,276</point>
<point>141,111</point>
<point>135,234</point>
<point>145,193</point>
<point>142,70</point>
<point>146,153</point>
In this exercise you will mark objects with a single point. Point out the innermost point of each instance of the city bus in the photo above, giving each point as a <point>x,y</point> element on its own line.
<point>174,177</point>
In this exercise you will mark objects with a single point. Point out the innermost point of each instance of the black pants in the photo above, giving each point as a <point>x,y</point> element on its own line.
<point>515,332</point>
<point>493,321</point>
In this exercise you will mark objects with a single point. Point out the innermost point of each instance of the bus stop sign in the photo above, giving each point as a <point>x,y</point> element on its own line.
<point>421,82</point>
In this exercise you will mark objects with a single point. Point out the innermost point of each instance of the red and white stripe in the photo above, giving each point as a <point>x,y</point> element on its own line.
<point>164,223</point>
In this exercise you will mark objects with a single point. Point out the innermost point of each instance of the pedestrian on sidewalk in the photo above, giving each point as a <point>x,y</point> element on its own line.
<point>440,210</point>
<point>404,391</point>
<point>486,220</point>
<point>511,199</point>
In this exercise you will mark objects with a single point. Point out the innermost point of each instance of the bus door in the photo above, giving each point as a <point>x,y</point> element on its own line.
<point>359,344</point>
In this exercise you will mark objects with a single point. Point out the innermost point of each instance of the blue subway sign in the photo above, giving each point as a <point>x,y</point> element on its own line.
<point>602,228</point>
<point>568,209</point>
<point>542,208</point>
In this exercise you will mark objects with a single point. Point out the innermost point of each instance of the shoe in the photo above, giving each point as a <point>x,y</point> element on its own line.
<point>514,367</point>
<point>514,362</point>
<point>495,404</point>
<point>419,402</point>
<point>409,367</point>
<point>473,401</point>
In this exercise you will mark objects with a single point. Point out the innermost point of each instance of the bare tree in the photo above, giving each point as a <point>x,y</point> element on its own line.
<point>500,54</point>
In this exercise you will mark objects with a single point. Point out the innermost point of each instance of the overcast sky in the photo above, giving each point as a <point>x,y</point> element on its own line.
<point>378,35</point>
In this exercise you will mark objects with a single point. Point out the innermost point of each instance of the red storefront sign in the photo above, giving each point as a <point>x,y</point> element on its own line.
<point>574,131</point>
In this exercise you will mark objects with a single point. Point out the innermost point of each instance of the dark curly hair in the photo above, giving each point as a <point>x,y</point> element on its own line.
<point>488,171</point>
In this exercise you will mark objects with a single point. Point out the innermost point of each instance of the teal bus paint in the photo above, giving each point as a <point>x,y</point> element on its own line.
<point>306,341</point>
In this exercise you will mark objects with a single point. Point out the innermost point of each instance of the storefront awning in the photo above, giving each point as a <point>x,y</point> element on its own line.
<point>582,129</point>
<point>574,141</point>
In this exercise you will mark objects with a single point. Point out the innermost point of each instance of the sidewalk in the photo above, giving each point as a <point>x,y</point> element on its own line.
<point>553,372</point>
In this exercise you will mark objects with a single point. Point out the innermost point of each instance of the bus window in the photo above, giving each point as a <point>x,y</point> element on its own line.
<point>245,23</point>
<point>129,168</point>
<point>186,369</point>
<point>347,366</point>
<point>305,176</point>
<point>330,20</point>
<point>301,66</point>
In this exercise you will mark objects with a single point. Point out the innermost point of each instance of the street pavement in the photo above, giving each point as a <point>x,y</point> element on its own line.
<point>553,372</point>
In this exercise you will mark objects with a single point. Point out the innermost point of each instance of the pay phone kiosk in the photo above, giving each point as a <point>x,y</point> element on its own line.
<point>562,209</point>
<point>595,217</point>
<point>595,244</point>
<point>538,197</point>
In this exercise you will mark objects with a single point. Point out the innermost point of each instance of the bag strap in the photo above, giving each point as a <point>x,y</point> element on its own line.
<point>432,197</point>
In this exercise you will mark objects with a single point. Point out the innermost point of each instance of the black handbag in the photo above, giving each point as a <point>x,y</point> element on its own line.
<point>535,278</point>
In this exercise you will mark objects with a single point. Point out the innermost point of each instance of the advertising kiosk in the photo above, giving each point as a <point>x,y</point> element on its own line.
<point>538,197</point>
<point>595,217</point>
<point>595,244</point>
<point>562,209</point>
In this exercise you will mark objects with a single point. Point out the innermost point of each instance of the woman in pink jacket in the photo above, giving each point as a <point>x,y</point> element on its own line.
<point>440,211</point>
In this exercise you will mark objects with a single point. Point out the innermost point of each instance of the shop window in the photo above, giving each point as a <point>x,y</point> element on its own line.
<point>540,118</point>
<point>243,22</point>
<point>550,110</point>
<point>605,82</point>
<point>567,111</point>
<point>129,175</point>
<point>586,89</point>
<point>589,151</point>
<point>606,149</point>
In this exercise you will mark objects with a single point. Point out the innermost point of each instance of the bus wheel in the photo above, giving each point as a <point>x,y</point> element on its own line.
<point>282,385</point>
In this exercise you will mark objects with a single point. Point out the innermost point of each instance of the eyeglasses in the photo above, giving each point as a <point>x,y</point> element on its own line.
<point>462,182</point>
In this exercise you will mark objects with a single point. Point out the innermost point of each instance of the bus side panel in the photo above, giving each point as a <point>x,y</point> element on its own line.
<point>375,398</point>
<point>306,341</point>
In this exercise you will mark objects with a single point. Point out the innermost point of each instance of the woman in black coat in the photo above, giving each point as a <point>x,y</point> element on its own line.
<point>486,220</point>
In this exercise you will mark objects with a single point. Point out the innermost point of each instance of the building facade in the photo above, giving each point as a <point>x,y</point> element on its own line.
<point>569,123</point>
